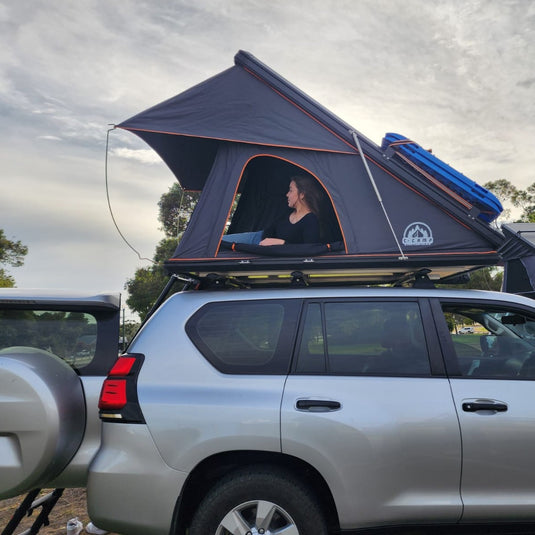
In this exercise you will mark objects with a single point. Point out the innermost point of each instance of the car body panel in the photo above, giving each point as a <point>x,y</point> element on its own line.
<point>391,453</point>
<point>498,480</point>
<point>130,488</point>
<point>177,389</point>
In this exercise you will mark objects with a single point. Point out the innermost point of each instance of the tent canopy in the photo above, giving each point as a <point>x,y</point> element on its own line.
<point>234,106</point>
<point>241,135</point>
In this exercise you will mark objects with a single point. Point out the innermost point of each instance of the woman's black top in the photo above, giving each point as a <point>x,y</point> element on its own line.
<point>306,230</point>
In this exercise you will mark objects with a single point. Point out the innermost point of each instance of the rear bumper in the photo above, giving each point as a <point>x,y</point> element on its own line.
<point>130,488</point>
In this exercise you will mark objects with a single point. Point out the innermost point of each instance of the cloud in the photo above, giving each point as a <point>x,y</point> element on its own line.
<point>454,76</point>
<point>49,138</point>
<point>147,156</point>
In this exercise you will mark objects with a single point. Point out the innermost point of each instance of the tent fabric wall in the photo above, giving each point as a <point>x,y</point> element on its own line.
<point>365,229</point>
<point>213,135</point>
<point>518,253</point>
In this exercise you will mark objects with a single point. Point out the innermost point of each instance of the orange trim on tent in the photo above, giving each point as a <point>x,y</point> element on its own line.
<point>232,140</point>
<point>366,255</point>
<point>436,182</point>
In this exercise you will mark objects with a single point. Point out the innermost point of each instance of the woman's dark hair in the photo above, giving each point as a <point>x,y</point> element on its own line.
<point>310,189</point>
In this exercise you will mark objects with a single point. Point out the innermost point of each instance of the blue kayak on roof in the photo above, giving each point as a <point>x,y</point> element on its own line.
<point>487,206</point>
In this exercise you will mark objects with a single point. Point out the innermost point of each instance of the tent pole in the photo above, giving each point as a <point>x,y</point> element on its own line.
<point>378,195</point>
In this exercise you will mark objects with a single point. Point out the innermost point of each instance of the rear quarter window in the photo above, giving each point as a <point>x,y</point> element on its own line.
<point>246,337</point>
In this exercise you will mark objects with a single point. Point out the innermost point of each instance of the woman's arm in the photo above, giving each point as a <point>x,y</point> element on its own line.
<point>272,241</point>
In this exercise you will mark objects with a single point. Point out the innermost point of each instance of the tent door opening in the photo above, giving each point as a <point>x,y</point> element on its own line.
<point>261,198</point>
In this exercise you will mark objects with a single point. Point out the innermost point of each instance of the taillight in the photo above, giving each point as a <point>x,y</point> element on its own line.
<point>113,394</point>
<point>118,398</point>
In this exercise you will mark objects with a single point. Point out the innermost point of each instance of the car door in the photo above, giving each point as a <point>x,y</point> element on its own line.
<point>55,351</point>
<point>492,379</point>
<point>368,406</point>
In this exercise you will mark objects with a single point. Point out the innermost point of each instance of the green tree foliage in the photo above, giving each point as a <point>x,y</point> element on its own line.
<point>175,208</point>
<point>70,335</point>
<point>508,193</point>
<point>491,278</point>
<point>128,330</point>
<point>12,253</point>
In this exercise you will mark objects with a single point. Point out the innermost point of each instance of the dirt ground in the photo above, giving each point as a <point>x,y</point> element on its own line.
<point>71,504</point>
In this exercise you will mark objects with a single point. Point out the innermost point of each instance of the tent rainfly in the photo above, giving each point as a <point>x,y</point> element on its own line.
<point>241,135</point>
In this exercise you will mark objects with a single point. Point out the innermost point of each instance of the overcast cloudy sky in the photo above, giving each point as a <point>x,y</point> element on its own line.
<point>457,76</point>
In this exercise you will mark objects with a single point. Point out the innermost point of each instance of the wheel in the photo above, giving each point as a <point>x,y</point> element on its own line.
<point>258,501</point>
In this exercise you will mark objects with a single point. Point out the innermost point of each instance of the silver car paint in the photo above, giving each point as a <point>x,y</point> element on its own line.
<point>80,409</point>
<point>498,471</point>
<point>42,418</point>
<point>391,454</point>
<point>75,475</point>
<point>130,488</point>
<point>177,390</point>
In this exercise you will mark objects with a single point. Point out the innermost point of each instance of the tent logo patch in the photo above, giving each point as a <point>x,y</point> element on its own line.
<point>417,233</point>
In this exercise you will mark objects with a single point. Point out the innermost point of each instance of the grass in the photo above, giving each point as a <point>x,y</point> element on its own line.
<point>467,345</point>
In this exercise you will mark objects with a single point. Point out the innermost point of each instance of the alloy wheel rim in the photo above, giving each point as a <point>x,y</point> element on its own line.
<point>257,517</point>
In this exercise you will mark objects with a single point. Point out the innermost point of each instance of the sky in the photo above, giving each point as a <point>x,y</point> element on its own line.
<point>456,76</point>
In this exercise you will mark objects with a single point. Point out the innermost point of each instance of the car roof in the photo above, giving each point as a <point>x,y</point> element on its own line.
<point>68,298</point>
<point>341,292</point>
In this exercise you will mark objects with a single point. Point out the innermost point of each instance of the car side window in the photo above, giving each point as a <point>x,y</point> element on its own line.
<point>363,338</point>
<point>72,336</point>
<point>491,341</point>
<point>245,336</point>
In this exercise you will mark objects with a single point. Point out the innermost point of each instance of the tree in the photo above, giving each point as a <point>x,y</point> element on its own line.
<point>175,208</point>
<point>11,253</point>
<point>508,193</point>
<point>491,278</point>
<point>147,283</point>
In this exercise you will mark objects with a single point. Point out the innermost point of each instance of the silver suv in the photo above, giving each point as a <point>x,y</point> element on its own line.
<point>311,410</point>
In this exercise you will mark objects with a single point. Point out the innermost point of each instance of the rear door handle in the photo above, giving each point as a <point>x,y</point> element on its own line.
<point>318,405</point>
<point>474,406</point>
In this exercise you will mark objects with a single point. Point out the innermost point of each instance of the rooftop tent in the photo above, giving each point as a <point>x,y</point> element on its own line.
<point>518,253</point>
<point>245,132</point>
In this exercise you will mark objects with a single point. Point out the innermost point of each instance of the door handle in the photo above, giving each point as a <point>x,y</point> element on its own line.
<point>474,406</point>
<point>317,405</point>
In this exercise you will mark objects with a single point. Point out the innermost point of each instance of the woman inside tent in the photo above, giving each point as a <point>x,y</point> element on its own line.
<point>302,225</point>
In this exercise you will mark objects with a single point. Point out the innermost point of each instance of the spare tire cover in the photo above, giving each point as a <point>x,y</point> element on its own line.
<point>42,418</point>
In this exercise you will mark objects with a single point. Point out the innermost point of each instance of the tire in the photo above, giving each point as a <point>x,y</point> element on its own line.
<point>258,500</point>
